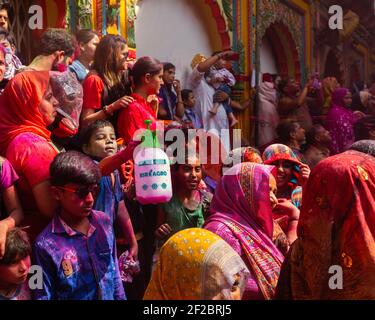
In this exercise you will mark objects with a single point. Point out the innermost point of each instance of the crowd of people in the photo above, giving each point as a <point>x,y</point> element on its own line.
<point>266,227</point>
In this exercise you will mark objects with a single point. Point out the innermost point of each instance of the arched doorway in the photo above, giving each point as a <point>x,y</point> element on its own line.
<point>333,66</point>
<point>175,31</point>
<point>278,52</point>
<point>268,63</point>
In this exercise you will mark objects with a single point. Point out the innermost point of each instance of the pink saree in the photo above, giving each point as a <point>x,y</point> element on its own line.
<point>241,214</point>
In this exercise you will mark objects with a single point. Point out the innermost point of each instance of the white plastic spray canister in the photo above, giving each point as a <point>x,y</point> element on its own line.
<point>153,183</point>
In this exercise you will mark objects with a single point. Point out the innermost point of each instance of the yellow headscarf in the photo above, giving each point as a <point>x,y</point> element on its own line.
<point>329,85</point>
<point>196,264</point>
<point>198,58</point>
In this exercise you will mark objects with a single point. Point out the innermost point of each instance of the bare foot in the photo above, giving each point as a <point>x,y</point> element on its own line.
<point>233,122</point>
<point>214,109</point>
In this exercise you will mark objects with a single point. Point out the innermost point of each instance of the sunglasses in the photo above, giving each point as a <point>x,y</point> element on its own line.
<point>83,192</point>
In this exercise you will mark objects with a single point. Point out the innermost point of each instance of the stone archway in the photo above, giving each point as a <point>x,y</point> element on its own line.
<point>284,49</point>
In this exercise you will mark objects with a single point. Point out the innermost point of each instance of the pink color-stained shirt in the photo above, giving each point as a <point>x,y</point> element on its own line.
<point>8,178</point>
<point>252,291</point>
<point>31,156</point>
<point>8,175</point>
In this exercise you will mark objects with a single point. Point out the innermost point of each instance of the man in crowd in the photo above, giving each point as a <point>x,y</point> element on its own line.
<point>318,140</point>
<point>292,134</point>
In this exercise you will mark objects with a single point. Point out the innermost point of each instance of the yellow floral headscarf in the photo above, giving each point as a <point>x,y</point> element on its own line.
<point>196,264</point>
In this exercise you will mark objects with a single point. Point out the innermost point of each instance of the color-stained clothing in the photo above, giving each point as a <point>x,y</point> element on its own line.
<point>340,122</point>
<point>336,228</point>
<point>179,218</point>
<point>196,264</point>
<point>204,94</point>
<point>192,117</point>
<point>79,70</point>
<point>133,117</point>
<point>76,266</point>
<point>8,178</point>
<point>12,64</point>
<point>110,196</point>
<point>25,140</point>
<point>276,152</point>
<point>169,100</point>
<point>19,107</point>
<point>241,214</point>
<point>31,156</point>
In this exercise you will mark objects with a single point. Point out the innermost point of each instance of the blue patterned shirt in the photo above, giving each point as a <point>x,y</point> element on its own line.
<point>76,266</point>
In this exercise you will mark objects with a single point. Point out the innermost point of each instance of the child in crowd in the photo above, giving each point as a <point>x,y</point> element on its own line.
<point>15,266</point>
<point>77,250</point>
<point>188,206</point>
<point>188,99</point>
<point>12,63</point>
<point>221,79</point>
<point>98,142</point>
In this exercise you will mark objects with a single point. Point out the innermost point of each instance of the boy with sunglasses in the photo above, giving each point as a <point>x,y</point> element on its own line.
<point>77,250</point>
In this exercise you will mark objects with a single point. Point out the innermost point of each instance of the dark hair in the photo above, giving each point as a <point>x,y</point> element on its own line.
<point>311,134</point>
<point>284,130</point>
<point>364,146</point>
<point>188,150</point>
<point>8,36</point>
<point>107,59</point>
<point>216,52</point>
<point>185,94</point>
<point>4,6</point>
<point>283,83</point>
<point>168,66</point>
<point>54,39</point>
<point>87,132</point>
<point>17,247</point>
<point>143,66</point>
<point>85,35</point>
<point>363,127</point>
<point>74,167</point>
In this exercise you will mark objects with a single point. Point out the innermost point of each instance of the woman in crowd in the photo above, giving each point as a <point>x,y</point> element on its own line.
<point>330,84</point>
<point>291,175</point>
<point>241,214</point>
<point>336,228</point>
<point>341,120</point>
<point>28,107</point>
<point>106,88</point>
<point>147,76</point>
<point>196,264</point>
<point>188,206</point>
<point>87,41</point>
<point>290,171</point>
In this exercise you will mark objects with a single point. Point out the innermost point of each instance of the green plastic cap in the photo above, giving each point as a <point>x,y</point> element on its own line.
<point>150,140</point>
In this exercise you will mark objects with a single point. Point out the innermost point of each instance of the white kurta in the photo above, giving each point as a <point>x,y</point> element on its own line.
<point>204,94</point>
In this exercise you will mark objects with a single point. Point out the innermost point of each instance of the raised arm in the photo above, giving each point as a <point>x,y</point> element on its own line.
<point>207,64</point>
